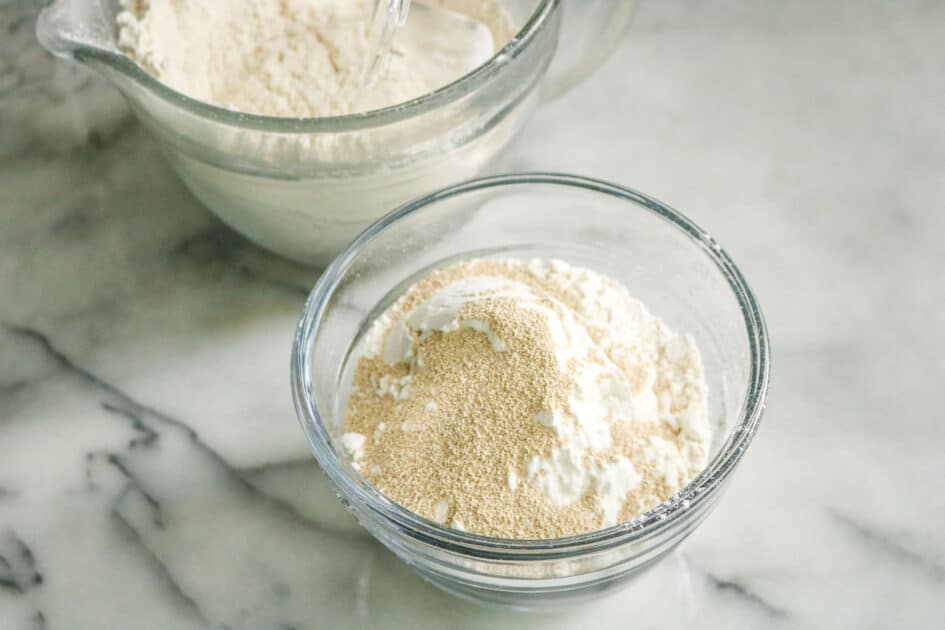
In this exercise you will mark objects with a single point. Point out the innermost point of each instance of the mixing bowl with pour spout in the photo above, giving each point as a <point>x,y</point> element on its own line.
<point>304,187</point>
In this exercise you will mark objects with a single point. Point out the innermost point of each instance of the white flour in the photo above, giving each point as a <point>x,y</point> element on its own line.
<point>290,58</point>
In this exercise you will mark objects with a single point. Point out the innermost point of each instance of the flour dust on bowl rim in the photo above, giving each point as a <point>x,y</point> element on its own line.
<point>663,258</point>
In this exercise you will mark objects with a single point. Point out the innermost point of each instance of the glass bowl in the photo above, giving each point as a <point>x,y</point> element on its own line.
<point>673,266</point>
<point>304,187</point>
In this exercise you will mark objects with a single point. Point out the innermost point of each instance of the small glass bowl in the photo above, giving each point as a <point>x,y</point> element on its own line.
<point>673,266</point>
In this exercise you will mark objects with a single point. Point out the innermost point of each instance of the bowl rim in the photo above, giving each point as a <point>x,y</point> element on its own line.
<point>453,91</point>
<point>689,500</point>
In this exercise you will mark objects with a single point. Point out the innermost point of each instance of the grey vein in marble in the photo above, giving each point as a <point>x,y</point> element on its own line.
<point>18,571</point>
<point>131,536</point>
<point>887,545</point>
<point>742,592</point>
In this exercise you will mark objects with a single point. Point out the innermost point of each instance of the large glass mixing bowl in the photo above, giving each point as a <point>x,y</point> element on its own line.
<point>305,187</point>
<point>673,266</point>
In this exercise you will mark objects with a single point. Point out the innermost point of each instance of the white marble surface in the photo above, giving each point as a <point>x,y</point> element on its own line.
<point>152,473</point>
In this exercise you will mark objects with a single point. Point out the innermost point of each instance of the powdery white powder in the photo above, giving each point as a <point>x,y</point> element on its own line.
<point>290,58</point>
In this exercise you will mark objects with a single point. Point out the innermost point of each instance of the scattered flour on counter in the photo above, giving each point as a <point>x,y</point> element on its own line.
<point>544,401</point>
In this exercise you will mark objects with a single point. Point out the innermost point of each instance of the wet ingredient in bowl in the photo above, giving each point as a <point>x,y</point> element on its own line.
<point>289,58</point>
<point>526,400</point>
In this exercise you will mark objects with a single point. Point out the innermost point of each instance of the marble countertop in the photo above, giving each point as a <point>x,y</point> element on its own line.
<point>153,474</point>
